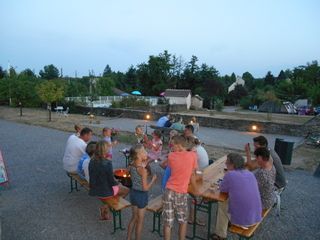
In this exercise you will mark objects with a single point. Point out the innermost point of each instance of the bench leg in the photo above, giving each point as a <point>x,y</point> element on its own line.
<point>157,217</point>
<point>73,184</point>
<point>116,226</point>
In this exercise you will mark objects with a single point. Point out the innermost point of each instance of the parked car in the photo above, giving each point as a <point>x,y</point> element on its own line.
<point>316,110</point>
<point>305,110</point>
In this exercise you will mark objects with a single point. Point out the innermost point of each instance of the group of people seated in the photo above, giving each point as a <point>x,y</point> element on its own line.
<point>250,184</point>
<point>169,121</point>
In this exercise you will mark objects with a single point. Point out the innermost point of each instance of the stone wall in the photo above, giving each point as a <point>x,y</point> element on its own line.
<point>239,125</point>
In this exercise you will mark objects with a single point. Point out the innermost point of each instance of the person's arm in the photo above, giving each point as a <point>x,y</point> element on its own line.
<point>251,164</point>
<point>144,175</point>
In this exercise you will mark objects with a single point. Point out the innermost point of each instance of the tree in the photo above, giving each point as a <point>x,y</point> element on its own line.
<point>28,72</point>
<point>281,76</point>
<point>269,79</point>
<point>236,94</point>
<point>49,92</point>
<point>49,72</point>
<point>104,86</point>
<point>107,71</point>
<point>131,78</point>
<point>249,80</point>
<point>2,73</point>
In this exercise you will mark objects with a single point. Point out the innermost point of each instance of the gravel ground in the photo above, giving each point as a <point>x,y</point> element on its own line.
<point>37,205</point>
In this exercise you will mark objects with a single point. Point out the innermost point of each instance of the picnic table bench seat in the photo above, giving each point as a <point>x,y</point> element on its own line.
<point>156,206</point>
<point>116,204</point>
<point>248,233</point>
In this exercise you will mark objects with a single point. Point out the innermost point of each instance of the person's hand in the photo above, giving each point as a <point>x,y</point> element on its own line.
<point>154,178</point>
<point>247,147</point>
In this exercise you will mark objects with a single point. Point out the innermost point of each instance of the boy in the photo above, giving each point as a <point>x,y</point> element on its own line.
<point>183,164</point>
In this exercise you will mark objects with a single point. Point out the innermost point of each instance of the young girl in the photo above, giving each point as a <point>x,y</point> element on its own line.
<point>102,182</point>
<point>140,135</point>
<point>155,146</point>
<point>139,190</point>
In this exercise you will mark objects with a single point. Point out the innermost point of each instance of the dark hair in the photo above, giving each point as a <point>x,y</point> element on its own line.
<point>91,147</point>
<point>190,127</point>
<point>261,140</point>
<point>190,143</point>
<point>157,132</point>
<point>236,160</point>
<point>85,131</point>
<point>263,152</point>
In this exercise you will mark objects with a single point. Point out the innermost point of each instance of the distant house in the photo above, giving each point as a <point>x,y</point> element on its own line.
<point>239,81</point>
<point>179,97</point>
<point>197,101</point>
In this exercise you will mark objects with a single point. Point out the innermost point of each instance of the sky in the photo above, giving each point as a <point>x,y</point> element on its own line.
<point>232,35</point>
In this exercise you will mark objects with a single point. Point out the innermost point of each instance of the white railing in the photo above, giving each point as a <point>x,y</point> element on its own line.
<point>106,101</point>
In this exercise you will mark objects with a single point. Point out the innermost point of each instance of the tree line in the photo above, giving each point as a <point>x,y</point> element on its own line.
<point>160,72</point>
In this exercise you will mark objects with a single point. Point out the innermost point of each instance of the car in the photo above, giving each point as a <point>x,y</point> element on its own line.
<point>316,110</point>
<point>305,110</point>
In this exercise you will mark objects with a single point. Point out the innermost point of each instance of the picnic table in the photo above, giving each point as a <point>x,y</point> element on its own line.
<point>208,189</point>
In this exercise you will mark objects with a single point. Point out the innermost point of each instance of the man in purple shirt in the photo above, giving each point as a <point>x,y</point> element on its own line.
<point>243,207</point>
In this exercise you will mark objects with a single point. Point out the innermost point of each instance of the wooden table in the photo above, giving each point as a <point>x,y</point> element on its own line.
<point>207,188</point>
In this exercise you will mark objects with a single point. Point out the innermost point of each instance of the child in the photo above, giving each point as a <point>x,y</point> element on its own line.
<point>141,136</point>
<point>83,165</point>
<point>195,124</point>
<point>106,133</point>
<point>155,146</point>
<point>139,190</point>
<point>183,164</point>
<point>102,182</point>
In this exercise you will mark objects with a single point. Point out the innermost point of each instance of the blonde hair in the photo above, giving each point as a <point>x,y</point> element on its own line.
<point>134,151</point>
<point>102,148</point>
<point>179,140</point>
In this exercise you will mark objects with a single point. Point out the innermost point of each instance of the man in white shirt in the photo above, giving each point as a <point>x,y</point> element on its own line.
<point>75,148</point>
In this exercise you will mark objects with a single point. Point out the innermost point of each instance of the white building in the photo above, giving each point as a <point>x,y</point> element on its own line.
<point>179,96</point>
<point>239,81</point>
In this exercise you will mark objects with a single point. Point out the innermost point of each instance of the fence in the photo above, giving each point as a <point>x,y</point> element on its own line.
<point>106,101</point>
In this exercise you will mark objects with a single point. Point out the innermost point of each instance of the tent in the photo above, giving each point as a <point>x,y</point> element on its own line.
<point>277,107</point>
<point>136,92</point>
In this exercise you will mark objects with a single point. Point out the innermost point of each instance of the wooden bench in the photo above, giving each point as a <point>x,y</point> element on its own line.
<point>156,206</point>
<point>248,233</point>
<point>116,204</point>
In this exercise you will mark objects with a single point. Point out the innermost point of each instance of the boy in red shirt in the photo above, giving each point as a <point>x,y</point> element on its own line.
<point>183,166</point>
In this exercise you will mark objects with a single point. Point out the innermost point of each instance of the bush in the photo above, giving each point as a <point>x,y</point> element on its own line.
<point>218,105</point>
<point>245,102</point>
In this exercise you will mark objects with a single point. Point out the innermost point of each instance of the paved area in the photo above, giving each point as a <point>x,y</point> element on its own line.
<point>211,136</point>
<point>36,205</point>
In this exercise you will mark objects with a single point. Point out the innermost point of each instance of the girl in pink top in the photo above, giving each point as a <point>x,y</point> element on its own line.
<point>155,146</point>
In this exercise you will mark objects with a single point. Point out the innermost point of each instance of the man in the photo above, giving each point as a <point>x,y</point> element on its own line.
<point>243,207</point>
<point>260,142</point>
<point>75,148</point>
<point>265,176</point>
<point>188,131</point>
<point>162,121</point>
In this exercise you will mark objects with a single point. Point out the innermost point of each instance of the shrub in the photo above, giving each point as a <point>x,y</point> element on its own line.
<point>218,105</point>
<point>245,102</point>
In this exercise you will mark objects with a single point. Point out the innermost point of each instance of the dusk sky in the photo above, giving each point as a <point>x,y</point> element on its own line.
<point>233,36</point>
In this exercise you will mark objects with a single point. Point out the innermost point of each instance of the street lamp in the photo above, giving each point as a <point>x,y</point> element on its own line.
<point>147,118</point>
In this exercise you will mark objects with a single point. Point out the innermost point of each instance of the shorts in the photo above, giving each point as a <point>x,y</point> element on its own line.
<point>139,198</point>
<point>175,204</point>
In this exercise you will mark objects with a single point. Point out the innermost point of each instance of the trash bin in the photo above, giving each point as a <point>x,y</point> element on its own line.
<point>284,149</point>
